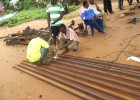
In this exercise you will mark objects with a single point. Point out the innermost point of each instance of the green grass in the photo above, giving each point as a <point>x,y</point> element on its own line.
<point>34,14</point>
<point>72,8</point>
<point>25,16</point>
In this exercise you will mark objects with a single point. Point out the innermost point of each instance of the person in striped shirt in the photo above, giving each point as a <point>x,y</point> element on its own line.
<point>55,14</point>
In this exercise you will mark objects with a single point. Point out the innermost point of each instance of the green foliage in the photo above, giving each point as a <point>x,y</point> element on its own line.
<point>28,13</point>
<point>6,2</point>
<point>72,8</point>
<point>25,16</point>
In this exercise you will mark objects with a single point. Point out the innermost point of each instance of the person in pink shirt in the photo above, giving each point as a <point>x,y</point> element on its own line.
<point>67,39</point>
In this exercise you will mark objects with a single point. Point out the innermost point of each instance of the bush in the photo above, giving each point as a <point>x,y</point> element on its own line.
<point>72,8</point>
<point>25,16</point>
<point>31,14</point>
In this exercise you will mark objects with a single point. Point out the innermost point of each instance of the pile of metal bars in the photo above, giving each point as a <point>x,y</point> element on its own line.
<point>89,79</point>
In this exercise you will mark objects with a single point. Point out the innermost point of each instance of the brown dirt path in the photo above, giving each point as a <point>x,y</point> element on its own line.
<point>15,85</point>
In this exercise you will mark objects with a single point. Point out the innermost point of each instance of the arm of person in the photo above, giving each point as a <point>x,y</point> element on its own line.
<point>65,46</point>
<point>95,16</point>
<point>98,8</point>
<point>48,20</point>
<point>44,44</point>
<point>50,50</point>
<point>57,43</point>
<point>48,17</point>
<point>61,16</point>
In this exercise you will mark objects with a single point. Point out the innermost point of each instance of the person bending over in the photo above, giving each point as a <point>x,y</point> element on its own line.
<point>37,50</point>
<point>97,11</point>
<point>68,39</point>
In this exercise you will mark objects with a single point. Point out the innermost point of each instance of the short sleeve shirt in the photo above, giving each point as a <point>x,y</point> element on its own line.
<point>70,34</point>
<point>55,11</point>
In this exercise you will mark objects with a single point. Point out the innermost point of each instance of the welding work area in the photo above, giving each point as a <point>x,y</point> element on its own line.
<point>83,77</point>
<point>94,56</point>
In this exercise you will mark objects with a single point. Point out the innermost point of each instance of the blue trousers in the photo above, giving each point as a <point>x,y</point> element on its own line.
<point>44,53</point>
<point>98,24</point>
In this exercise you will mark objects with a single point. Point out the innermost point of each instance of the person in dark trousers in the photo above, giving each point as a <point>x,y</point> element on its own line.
<point>94,21</point>
<point>130,2</point>
<point>120,4</point>
<point>55,14</point>
<point>108,6</point>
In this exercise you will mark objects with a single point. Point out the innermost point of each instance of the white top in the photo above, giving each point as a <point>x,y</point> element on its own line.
<point>83,9</point>
<point>94,9</point>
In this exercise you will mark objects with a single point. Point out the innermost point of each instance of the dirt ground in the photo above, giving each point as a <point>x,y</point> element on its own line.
<point>15,85</point>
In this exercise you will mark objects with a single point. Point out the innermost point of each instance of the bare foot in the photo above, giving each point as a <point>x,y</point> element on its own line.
<point>112,12</point>
<point>65,51</point>
<point>102,33</point>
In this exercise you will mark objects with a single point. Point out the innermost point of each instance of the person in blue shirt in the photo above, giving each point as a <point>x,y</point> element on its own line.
<point>88,15</point>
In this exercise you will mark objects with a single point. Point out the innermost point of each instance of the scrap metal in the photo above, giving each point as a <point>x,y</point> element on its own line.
<point>89,79</point>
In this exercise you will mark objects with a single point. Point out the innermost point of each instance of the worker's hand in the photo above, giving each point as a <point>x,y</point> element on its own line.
<point>61,48</point>
<point>53,22</point>
<point>49,28</point>
<point>93,18</point>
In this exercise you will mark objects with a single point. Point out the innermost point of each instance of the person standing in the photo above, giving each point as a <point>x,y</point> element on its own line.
<point>55,14</point>
<point>120,4</point>
<point>108,6</point>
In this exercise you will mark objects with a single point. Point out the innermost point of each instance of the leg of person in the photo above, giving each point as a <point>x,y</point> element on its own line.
<point>44,58</point>
<point>44,53</point>
<point>130,2</point>
<point>55,31</point>
<point>122,3</point>
<point>110,7</point>
<point>105,2</point>
<point>95,24</point>
<point>74,46</point>
<point>62,41</point>
<point>104,17</point>
<point>119,4</point>
<point>100,22</point>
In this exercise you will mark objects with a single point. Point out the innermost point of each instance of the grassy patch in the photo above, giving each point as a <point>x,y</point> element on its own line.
<point>72,8</point>
<point>34,14</point>
<point>25,16</point>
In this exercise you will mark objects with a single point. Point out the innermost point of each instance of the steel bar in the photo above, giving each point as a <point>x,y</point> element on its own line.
<point>104,67</point>
<point>89,79</point>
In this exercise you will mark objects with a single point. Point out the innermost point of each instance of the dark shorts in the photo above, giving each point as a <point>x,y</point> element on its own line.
<point>55,31</point>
